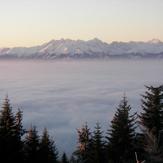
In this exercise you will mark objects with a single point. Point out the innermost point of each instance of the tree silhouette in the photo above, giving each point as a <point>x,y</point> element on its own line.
<point>120,139</point>
<point>64,158</point>
<point>151,120</point>
<point>98,145</point>
<point>10,138</point>
<point>31,146</point>
<point>48,152</point>
<point>85,145</point>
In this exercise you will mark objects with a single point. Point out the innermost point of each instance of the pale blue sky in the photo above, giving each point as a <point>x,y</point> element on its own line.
<point>31,22</point>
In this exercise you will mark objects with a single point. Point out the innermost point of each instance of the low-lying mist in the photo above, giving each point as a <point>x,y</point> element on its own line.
<point>62,95</point>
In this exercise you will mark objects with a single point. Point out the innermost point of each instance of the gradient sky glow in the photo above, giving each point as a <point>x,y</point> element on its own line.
<point>32,22</point>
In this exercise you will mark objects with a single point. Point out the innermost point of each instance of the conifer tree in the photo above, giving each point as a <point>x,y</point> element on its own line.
<point>31,146</point>
<point>151,120</point>
<point>64,158</point>
<point>48,152</point>
<point>19,126</point>
<point>84,151</point>
<point>73,159</point>
<point>152,116</point>
<point>98,145</point>
<point>121,135</point>
<point>10,139</point>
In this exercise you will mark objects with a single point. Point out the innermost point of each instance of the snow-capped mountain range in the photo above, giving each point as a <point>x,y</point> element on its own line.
<point>95,48</point>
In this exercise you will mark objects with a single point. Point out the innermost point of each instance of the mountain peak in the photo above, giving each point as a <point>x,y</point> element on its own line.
<point>86,49</point>
<point>154,41</point>
<point>95,40</point>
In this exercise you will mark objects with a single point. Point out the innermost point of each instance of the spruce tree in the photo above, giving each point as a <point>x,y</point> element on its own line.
<point>64,158</point>
<point>48,152</point>
<point>73,159</point>
<point>151,120</point>
<point>98,145</point>
<point>10,138</point>
<point>84,150</point>
<point>19,126</point>
<point>121,134</point>
<point>31,146</point>
<point>20,131</point>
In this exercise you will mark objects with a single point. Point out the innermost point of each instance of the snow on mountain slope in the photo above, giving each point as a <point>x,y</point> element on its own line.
<point>154,41</point>
<point>79,48</point>
<point>74,47</point>
<point>136,47</point>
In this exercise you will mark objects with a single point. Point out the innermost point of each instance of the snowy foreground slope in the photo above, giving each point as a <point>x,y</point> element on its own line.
<point>95,48</point>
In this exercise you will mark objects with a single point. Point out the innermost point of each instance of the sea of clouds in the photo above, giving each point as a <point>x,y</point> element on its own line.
<point>63,95</point>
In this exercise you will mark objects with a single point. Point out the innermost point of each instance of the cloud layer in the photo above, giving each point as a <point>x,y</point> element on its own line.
<point>62,95</point>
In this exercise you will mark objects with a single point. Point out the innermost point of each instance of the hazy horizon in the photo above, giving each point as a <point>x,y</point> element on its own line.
<point>83,40</point>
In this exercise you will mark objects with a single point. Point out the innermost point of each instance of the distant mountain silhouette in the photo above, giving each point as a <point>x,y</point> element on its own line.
<point>95,48</point>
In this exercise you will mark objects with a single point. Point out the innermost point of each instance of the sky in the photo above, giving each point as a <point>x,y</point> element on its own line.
<point>33,22</point>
